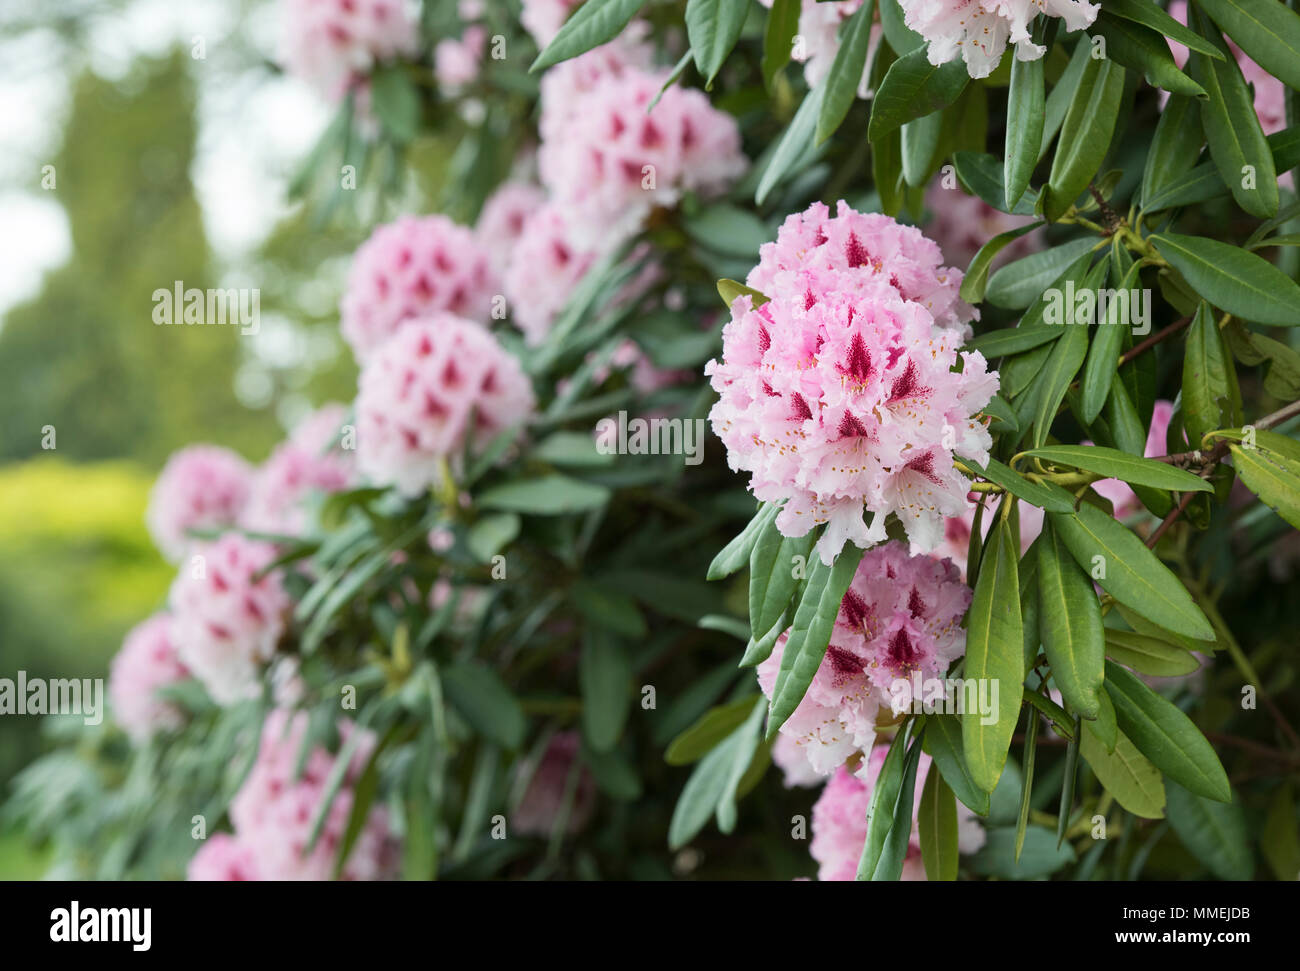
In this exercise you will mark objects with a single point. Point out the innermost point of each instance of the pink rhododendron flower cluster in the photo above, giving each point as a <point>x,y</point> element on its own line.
<point>978,30</point>
<point>146,662</point>
<point>839,821</point>
<point>410,268</point>
<point>838,393</point>
<point>962,223</point>
<point>501,223</point>
<point>434,385</point>
<point>818,39</point>
<point>565,86</point>
<point>546,264</point>
<point>200,487</point>
<point>226,619</point>
<point>335,44</point>
<point>457,60</point>
<point>306,462</point>
<point>544,797</point>
<point>1121,496</point>
<point>275,809</point>
<point>900,617</point>
<point>544,18</point>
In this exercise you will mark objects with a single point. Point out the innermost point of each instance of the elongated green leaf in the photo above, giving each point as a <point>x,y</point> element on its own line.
<point>1026,101</point>
<point>1237,144</point>
<point>760,648</point>
<point>880,811</point>
<point>976,279</point>
<point>548,495</point>
<point>1268,32</point>
<point>937,824</point>
<point>1070,625</point>
<point>1272,477</point>
<point>982,174</point>
<point>794,144</point>
<point>1058,102</point>
<point>713,27</point>
<point>1013,340</point>
<point>1111,463</point>
<point>1150,655</point>
<point>612,610</point>
<point>897,842</point>
<point>1127,775</point>
<point>1165,735</point>
<point>912,88</point>
<point>1022,282</point>
<point>845,75</point>
<point>1209,401</point>
<point>729,290</point>
<point>772,575</point>
<point>1239,282</point>
<point>1067,357</point>
<point>1214,832</point>
<point>1128,571</point>
<point>745,745</point>
<point>1085,135</point>
<point>1141,49</point>
<point>395,102</point>
<point>482,698</point>
<point>1103,355</point>
<point>1022,488</point>
<point>994,654</point>
<point>1040,856</point>
<point>1175,146</point>
<point>943,744</point>
<point>778,37</point>
<point>811,633</point>
<point>1150,15</point>
<point>1069,780</point>
<point>735,554</point>
<point>605,677</point>
<point>1280,842</point>
<point>703,792</point>
<point>901,38</point>
<point>591,25</point>
<point>920,141</point>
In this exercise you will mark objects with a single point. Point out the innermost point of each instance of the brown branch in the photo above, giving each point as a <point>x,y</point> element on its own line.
<point>1154,339</point>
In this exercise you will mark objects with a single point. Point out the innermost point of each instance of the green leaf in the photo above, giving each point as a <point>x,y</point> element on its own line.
<point>1244,285</point>
<point>482,698</point>
<point>1070,625</point>
<point>1214,832</point>
<point>937,823</point>
<point>1020,487</point>
<point>897,841</point>
<point>1085,135</point>
<point>845,75</point>
<point>729,290</point>
<point>1127,775</point>
<point>1150,655</point>
<point>976,279</point>
<point>1039,857</point>
<point>572,449</point>
<point>994,654</point>
<point>735,554</point>
<point>1210,399</point>
<point>1175,146</point>
<point>1268,32</point>
<point>1165,735</point>
<point>1058,102</point>
<point>794,144</point>
<point>611,609</point>
<point>605,676</point>
<point>811,633</point>
<point>491,534</point>
<point>710,729</point>
<point>728,230</point>
<point>1013,340</point>
<point>1233,130</point>
<point>1279,841</point>
<point>363,797</point>
<point>1150,15</point>
<point>395,102</point>
<point>921,140</point>
<point>884,798</point>
<point>1111,463</point>
<point>1018,284</point>
<point>742,755</point>
<point>1130,572</point>
<point>713,27</point>
<point>772,579</point>
<point>1103,355</point>
<point>778,38</point>
<point>913,88</point>
<point>1272,477</point>
<point>591,25</point>
<point>548,495</point>
<point>901,38</point>
<point>1066,358</point>
<point>1141,49</point>
<point>943,743</point>
<point>703,792</point>
<point>760,648</point>
<point>982,174</point>
<point>1026,106</point>
<point>613,773</point>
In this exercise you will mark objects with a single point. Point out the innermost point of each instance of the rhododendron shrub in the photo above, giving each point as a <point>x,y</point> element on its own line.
<point>900,392</point>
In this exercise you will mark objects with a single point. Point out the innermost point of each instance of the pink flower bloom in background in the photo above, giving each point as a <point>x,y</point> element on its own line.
<point>146,662</point>
<point>501,223</point>
<point>546,264</point>
<point>839,821</point>
<point>564,86</point>
<point>1119,493</point>
<point>419,393</point>
<point>962,223</point>
<point>544,18</point>
<point>611,161</point>
<point>457,60</point>
<point>200,487</point>
<point>275,809</point>
<point>853,252</point>
<point>978,30</point>
<point>957,530</point>
<point>901,617</point>
<point>838,394</point>
<point>333,44</point>
<point>306,462</point>
<point>410,268</point>
<point>548,782</point>
<point>226,620</point>
<point>224,859</point>
<point>819,40</point>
